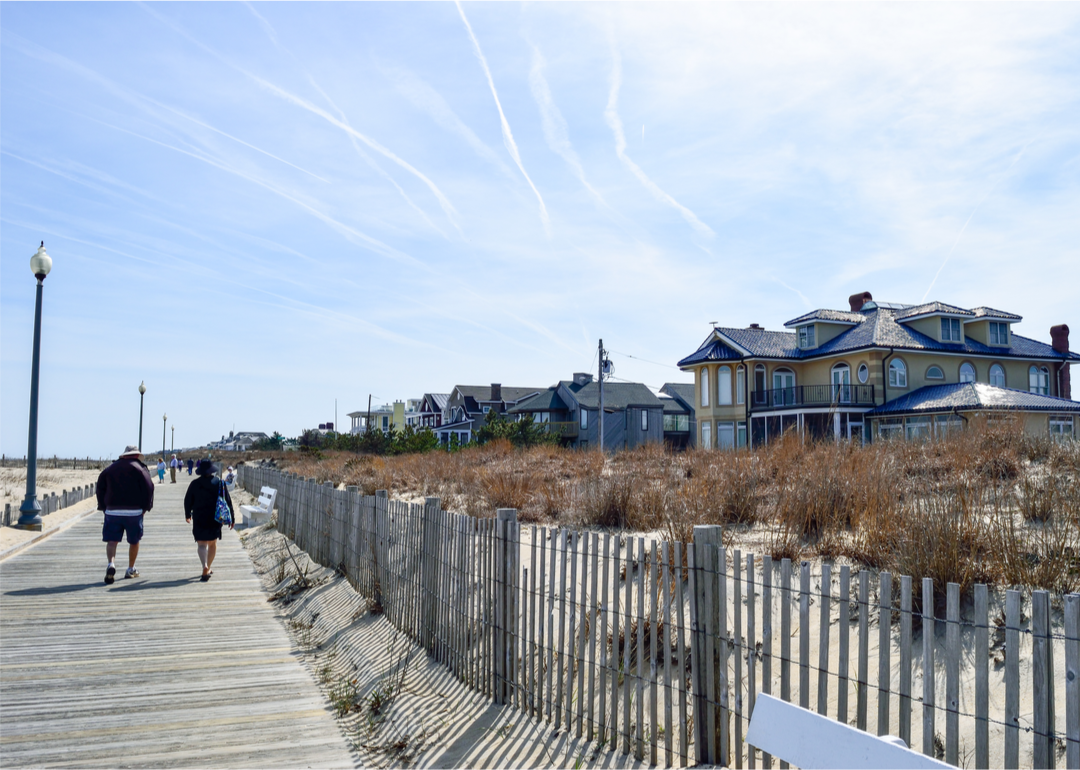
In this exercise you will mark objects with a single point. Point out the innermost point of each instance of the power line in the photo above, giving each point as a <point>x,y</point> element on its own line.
<point>645,360</point>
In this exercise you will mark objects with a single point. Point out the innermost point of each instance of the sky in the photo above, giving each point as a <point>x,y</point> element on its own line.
<point>270,211</point>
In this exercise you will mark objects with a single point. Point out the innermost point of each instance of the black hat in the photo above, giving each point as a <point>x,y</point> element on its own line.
<point>205,468</point>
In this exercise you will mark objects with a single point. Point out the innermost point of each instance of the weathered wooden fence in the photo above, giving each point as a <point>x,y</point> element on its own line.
<point>45,463</point>
<point>51,502</point>
<point>659,649</point>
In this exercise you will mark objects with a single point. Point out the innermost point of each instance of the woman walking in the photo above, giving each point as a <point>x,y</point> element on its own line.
<point>161,471</point>
<point>200,503</point>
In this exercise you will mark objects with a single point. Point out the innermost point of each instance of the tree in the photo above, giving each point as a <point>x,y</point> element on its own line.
<point>522,433</point>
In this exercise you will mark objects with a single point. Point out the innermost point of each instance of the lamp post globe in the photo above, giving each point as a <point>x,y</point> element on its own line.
<point>142,394</point>
<point>30,510</point>
<point>172,444</point>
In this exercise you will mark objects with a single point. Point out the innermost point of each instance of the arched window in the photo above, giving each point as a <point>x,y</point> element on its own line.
<point>740,384</point>
<point>1039,380</point>
<point>935,373</point>
<point>997,375</point>
<point>967,372</point>
<point>759,383</point>
<point>723,386</point>
<point>897,374</point>
<point>783,382</point>
<point>841,382</point>
<point>704,386</point>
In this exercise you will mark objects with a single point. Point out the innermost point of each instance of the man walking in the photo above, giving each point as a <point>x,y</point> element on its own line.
<point>124,493</point>
<point>172,468</point>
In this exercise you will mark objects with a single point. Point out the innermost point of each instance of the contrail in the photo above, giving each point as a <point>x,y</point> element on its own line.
<point>508,137</point>
<point>611,116</point>
<point>970,217</point>
<point>555,129</point>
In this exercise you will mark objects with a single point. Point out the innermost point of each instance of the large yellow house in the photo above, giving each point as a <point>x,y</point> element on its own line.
<point>879,370</point>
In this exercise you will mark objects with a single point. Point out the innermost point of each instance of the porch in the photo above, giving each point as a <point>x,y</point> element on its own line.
<point>812,396</point>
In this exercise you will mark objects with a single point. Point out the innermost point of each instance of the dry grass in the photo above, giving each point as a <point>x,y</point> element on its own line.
<point>987,504</point>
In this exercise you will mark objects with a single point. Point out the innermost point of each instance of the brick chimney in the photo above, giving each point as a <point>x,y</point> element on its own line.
<point>856,301</point>
<point>496,391</point>
<point>1059,341</point>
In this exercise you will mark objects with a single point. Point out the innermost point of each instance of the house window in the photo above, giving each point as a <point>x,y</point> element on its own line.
<point>999,333</point>
<point>841,382</point>
<point>725,435</point>
<point>1061,427</point>
<point>806,336</point>
<point>487,409</point>
<point>584,420</point>
<point>704,387</point>
<point>644,420</point>
<point>740,430</point>
<point>705,442</point>
<point>864,373</point>
<point>935,373</point>
<point>385,421</point>
<point>950,330</point>
<point>997,375</point>
<point>723,384</point>
<point>890,428</point>
<point>897,374</point>
<point>944,424</point>
<point>740,385</point>
<point>967,372</point>
<point>1039,380</point>
<point>783,387</point>
<point>917,428</point>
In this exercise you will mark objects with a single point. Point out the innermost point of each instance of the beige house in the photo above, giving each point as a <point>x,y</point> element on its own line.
<point>879,370</point>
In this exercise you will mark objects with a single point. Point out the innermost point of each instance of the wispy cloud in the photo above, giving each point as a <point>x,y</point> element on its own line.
<point>556,132</point>
<point>508,136</point>
<point>611,116</point>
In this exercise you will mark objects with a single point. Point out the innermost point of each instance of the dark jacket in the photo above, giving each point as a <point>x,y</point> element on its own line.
<point>201,499</point>
<point>125,484</point>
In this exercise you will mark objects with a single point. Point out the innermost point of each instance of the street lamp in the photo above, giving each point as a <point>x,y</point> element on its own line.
<point>172,446</point>
<point>164,423</point>
<point>142,393</point>
<point>30,510</point>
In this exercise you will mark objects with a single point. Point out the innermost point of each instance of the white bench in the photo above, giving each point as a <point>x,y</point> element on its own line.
<point>809,740</point>
<point>260,514</point>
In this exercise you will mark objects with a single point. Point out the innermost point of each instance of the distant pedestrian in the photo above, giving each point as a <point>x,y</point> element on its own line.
<point>190,465</point>
<point>173,465</point>
<point>230,477</point>
<point>125,492</point>
<point>161,471</point>
<point>200,503</point>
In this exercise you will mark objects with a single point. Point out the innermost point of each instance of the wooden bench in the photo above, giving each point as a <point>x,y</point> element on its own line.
<point>260,514</point>
<point>809,740</point>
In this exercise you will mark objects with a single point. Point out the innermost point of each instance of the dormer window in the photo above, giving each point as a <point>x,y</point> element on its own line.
<point>806,336</point>
<point>950,330</point>
<point>999,333</point>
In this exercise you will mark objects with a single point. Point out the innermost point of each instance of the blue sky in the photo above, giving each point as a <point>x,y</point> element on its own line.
<point>259,209</point>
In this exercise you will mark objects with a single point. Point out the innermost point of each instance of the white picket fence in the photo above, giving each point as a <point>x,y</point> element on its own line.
<point>611,637</point>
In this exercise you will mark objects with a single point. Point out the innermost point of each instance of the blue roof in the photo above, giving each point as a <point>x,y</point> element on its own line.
<point>878,329</point>
<point>966,396</point>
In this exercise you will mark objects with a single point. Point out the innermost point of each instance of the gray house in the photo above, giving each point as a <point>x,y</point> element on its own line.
<point>467,407</point>
<point>680,427</point>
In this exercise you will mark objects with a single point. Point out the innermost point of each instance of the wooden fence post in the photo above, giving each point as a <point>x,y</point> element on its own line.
<point>709,673</point>
<point>1042,671</point>
<point>1072,680</point>
<point>432,506</point>
<point>505,564</point>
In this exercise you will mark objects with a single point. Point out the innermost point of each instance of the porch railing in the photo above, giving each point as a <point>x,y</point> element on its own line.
<point>812,395</point>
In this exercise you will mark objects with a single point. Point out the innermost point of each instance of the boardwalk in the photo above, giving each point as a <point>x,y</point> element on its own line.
<point>160,671</point>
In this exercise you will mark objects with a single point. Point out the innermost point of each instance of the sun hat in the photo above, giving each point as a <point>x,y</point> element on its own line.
<point>204,468</point>
<point>130,450</point>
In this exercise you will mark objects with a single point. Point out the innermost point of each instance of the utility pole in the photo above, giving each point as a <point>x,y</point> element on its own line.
<point>600,424</point>
<point>368,426</point>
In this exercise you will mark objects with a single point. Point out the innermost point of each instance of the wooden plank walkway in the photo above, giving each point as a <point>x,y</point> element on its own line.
<point>158,671</point>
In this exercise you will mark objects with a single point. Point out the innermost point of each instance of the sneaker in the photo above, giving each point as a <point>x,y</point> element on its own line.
<point>110,575</point>
<point>131,572</point>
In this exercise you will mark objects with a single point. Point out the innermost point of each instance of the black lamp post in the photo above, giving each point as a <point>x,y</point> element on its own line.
<point>142,394</point>
<point>164,423</point>
<point>30,510</point>
<point>172,446</point>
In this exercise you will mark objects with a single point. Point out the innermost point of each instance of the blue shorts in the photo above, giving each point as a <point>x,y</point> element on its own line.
<point>115,527</point>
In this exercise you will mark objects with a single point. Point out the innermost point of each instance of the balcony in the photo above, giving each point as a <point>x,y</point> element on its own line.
<point>812,396</point>
<point>562,429</point>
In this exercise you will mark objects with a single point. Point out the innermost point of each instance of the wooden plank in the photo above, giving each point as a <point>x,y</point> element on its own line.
<point>680,645</point>
<point>572,656</point>
<point>785,636</point>
<point>639,688</point>
<point>1071,611</point>
<point>669,735</point>
<point>560,650</point>
<point>843,649</point>
<point>884,651</point>
<point>697,599</point>
<point>952,673</point>
<point>530,678</point>
<point>904,702</point>
<point>766,637</point>
<point>928,666</point>
<point>594,620</point>
<point>628,629</point>
<point>542,710</point>
<point>583,620</point>
<point>616,566</point>
<point>718,649</point>
<point>605,660</point>
<point>981,655</point>
<point>654,648</point>
<point>751,652</point>
<point>1042,685</point>
<point>824,620</point>
<point>739,652</point>
<point>804,634</point>
<point>863,681</point>
<point>1012,680</point>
